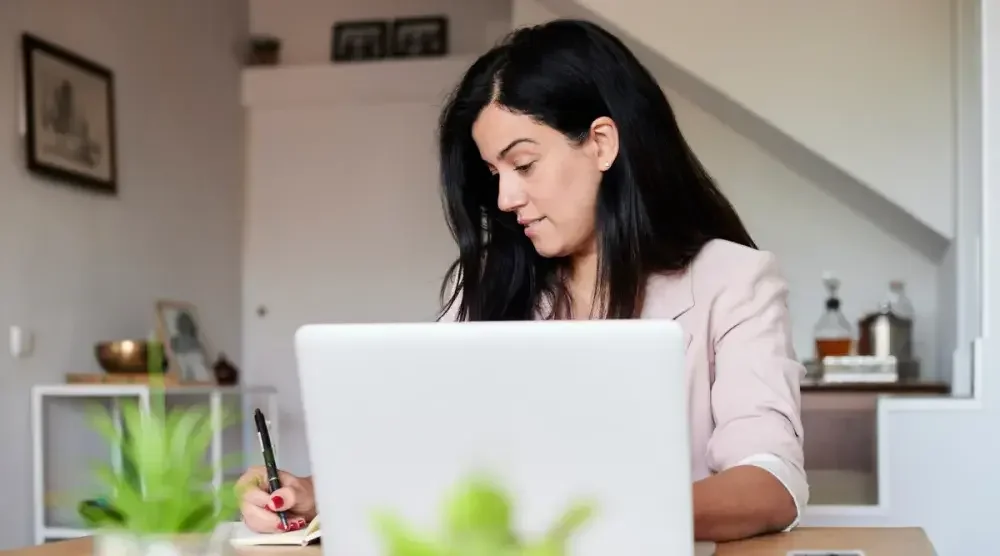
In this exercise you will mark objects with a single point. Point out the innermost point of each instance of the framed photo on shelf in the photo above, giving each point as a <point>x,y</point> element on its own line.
<point>419,37</point>
<point>358,41</point>
<point>69,106</point>
<point>179,329</point>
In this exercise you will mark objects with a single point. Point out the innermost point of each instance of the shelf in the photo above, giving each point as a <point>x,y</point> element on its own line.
<point>126,390</point>
<point>295,86</point>
<point>56,523</point>
<point>61,533</point>
<point>938,388</point>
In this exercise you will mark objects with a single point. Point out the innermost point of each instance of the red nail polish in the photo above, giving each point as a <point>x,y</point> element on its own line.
<point>277,501</point>
<point>281,526</point>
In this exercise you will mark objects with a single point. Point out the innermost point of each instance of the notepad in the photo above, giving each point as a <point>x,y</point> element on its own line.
<point>243,536</point>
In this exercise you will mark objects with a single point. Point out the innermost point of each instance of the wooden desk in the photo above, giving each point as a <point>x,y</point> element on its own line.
<point>873,541</point>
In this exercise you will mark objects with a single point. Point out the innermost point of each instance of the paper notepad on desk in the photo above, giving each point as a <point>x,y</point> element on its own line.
<point>243,536</point>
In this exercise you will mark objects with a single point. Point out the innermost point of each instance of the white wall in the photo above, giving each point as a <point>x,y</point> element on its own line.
<point>352,236</point>
<point>346,282</point>
<point>846,79</point>
<point>814,233</point>
<point>77,268</point>
<point>305,26</point>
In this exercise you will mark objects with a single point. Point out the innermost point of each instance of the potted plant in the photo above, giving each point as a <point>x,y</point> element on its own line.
<point>477,522</point>
<point>161,500</point>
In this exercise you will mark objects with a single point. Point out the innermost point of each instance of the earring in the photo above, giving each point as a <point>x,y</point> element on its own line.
<point>607,165</point>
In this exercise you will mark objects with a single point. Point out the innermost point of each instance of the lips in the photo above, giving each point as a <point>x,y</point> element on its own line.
<point>529,225</point>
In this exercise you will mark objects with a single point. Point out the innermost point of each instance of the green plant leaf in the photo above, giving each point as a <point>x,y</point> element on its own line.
<point>480,510</point>
<point>103,424</point>
<point>574,518</point>
<point>477,522</point>
<point>164,485</point>
<point>543,549</point>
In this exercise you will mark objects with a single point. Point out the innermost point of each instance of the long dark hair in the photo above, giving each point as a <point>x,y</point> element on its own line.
<point>656,208</point>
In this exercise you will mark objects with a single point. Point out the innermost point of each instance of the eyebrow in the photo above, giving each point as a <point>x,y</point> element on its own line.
<point>513,144</point>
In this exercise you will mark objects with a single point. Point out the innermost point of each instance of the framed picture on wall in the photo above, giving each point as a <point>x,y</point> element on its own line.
<point>358,41</point>
<point>69,104</point>
<point>419,37</point>
<point>179,329</point>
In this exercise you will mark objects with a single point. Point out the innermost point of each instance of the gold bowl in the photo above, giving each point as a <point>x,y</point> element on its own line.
<point>123,356</point>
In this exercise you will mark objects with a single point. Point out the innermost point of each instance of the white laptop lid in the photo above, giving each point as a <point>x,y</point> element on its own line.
<point>397,414</point>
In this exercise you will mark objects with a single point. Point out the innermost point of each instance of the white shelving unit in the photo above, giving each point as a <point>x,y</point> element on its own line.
<point>113,393</point>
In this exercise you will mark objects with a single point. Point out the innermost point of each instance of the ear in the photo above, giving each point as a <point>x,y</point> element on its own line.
<point>604,134</point>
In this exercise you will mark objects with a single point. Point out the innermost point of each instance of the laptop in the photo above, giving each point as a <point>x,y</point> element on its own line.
<point>554,411</point>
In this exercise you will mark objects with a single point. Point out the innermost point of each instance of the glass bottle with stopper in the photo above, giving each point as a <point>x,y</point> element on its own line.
<point>888,331</point>
<point>833,332</point>
<point>897,300</point>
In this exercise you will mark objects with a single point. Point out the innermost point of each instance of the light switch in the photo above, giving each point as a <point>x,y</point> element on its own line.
<point>22,342</point>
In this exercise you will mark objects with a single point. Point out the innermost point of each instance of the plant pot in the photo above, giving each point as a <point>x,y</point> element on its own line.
<point>264,51</point>
<point>115,543</point>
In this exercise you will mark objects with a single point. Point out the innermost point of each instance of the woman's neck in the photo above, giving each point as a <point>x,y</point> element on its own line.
<point>582,285</point>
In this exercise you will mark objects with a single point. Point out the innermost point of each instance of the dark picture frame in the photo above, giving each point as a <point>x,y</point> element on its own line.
<point>360,41</point>
<point>69,104</point>
<point>419,37</point>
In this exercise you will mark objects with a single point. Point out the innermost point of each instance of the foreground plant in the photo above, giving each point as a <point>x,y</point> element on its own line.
<point>477,522</point>
<point>164,486</point>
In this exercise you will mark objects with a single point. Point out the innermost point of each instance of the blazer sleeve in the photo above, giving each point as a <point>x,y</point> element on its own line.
<point>756,402</point>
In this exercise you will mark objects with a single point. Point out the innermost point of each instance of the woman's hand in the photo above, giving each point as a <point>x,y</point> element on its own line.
<point>259,509</point>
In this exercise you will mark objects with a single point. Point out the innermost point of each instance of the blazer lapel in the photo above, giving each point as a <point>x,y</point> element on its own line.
<point>668,296</point>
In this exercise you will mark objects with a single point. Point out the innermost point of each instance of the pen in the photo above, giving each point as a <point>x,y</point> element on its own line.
<point>273,483</point>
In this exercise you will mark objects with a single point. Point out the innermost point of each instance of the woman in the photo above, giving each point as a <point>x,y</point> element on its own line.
<point>573,195</point>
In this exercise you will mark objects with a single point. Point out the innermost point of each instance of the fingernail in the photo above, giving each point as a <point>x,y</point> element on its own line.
<point>282,527</point>
<point>277,502</point>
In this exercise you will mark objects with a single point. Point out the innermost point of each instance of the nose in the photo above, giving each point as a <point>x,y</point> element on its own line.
<point>510,193</point>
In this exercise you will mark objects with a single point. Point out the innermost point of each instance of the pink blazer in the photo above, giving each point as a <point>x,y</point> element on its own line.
<point>742,374</point>
<point>741,371</point>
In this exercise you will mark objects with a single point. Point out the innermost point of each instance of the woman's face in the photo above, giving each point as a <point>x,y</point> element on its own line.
<point>549,182</point>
